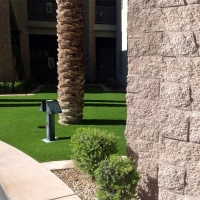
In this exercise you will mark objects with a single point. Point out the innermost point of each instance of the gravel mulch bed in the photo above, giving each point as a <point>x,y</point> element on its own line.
<point>82,185</point>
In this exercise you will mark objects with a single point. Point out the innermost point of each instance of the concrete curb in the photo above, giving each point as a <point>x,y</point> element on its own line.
<point>23,178</point>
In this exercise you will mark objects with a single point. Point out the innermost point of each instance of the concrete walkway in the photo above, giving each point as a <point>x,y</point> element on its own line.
<point>23,178</point>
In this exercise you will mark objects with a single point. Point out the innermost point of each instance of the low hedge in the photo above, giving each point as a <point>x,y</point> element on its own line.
<point>16,87</point>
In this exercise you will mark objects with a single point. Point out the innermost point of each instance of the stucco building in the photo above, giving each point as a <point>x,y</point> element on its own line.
<point>33,25</point>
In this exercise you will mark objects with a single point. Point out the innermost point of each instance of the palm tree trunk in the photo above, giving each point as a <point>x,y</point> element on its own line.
<point>70,60</point>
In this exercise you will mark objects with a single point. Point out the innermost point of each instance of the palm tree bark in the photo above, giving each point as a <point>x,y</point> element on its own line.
<point>70,60</point>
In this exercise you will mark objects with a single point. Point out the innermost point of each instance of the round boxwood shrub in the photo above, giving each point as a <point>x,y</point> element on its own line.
<point>116,178</point>
<point>90,146</point>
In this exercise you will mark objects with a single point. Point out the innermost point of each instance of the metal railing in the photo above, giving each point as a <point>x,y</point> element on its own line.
<point>41,11</point>
<point>105,15</point>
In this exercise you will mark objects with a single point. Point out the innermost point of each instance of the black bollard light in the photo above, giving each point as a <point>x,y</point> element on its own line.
<point>51,107</point>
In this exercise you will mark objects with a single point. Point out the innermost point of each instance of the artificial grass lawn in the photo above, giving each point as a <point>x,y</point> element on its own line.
<point>20,118</point>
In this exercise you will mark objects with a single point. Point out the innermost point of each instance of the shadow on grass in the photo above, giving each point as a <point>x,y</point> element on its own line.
<point>103,122</point>
<point>104,105</point>
<point>63,138</point>
<point>20,105</point>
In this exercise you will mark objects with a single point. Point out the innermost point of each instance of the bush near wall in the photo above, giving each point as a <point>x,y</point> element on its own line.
<point>16,87</point>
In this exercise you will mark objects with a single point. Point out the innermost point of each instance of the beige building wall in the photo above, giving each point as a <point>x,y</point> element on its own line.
<point>6,59</point>
<point>163,97</point>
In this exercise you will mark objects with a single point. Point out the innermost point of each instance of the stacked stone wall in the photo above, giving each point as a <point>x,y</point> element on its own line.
<point>163,97</point>
<point>6,59</point>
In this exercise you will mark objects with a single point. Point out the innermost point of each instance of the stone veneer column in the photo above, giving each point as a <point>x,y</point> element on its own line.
<point>6,62</point>
<point>163,97</point>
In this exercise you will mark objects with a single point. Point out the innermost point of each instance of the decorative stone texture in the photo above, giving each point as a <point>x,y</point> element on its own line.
<point>179,44</point>
<point>146,151</point>
<point>136,24</point>
<point>173,152</point>
<point>176,70</point>
<point>194,66</point>
<point>154,20</point>
<point>145,66</point>
<point>143,111</point>
<point>169,3</point>
<point>192,152</point>
<point>175,125</point>
<point>149,4</point>
<point>147,132</point>
<point>166,194</point>
<point>146,88</point>
<point>162,130</point>
<point>195,128</point>
<point>193,1</point>
<point>148,44</point>
<point>193,183</point>
<point>175,95</point>
<point>174,16</point>
<point>171,177</point>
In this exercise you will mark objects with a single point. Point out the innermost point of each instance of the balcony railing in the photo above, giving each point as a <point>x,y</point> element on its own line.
<point>105,15</point>
<point>42,11</point>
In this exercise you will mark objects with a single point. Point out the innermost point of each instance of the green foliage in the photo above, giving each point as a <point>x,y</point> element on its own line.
<point>90,146</point>
<point>9,87</point>
<point>2,87</point>
<point>16,87</point>
<point>113,83</point>
<point>116,178</point>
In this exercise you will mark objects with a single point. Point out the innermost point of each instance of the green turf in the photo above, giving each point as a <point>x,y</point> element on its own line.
<point>20,118</point>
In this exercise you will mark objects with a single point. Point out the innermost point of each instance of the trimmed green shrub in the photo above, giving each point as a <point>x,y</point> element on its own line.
<point>2,88</point>
<point>9,87</point>
<point>116,178</point>
<point>90,146</point>
<point>18,87</point>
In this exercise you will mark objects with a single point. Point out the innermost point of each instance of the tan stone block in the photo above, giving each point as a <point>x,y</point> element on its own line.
<point>146,88</point>
<point>154,20</point>
<point>171,177</point>
<point>194,65</point>
<point>148,183</point>
<point>148,44</point>
<point>176,19</point>
<point>149,4</point>
<point>195,96</point>
<point>192,183</point>
<point>136,24</point>
<point>176,70</point>
<point>175,125</point>
<point>193,1</point>
<point>192,152</point>
<point>132,133</point>
<point>149,169</point>
<point>195,128</point>
<point>174,95</point>
<point>147,110</point>
<point>165,194</point>
<point>146,151</point>
<point>145,66</point>
<point>134,65</point>
<point>169,3</point>
<point>148,132</point>
<point>179,44</point>
<point>173,152</point>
